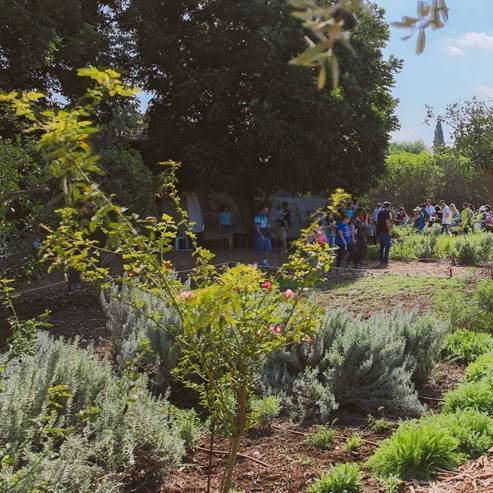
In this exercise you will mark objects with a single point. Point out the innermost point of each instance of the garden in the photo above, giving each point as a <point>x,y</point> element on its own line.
<point>203,370</point>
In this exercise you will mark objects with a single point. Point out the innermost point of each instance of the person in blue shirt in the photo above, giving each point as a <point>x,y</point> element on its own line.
<point>343,240</point>
<point>419,219</point>
<point>263,242</point>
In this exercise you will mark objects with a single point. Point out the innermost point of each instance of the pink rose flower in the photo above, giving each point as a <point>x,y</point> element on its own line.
<point>277,329</point>
<point>185,295</point>
<point>288,294</point>
<point>266,285</point>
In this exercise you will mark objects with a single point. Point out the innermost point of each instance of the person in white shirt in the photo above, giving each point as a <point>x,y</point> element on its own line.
<point>446,216</point>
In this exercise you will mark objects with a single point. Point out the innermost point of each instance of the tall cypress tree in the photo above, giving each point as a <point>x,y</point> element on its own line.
<point>438,140</point>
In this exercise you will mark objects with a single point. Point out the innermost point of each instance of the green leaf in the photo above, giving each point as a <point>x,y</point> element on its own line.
<point>310,55</point>
<point>335,72</point>
<point>322,76</point>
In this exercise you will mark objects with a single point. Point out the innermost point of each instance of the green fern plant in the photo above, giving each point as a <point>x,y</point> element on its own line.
<point>416,451</point>
<point>481,368</point>
<point>343,478</point>
<point>322,437</point>
<point>475,395</point>
<point>466,345</point>
<point>472,428</point>
<point>354,442</point>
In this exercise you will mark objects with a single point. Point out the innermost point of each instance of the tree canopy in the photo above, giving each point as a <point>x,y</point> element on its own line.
<point>227,104</point>
<point>411,177</point>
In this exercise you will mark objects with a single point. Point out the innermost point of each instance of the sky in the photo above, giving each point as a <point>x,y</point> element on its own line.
<point>456,65</point>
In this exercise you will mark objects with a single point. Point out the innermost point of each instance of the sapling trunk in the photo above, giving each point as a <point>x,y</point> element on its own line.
<point>240,420</point>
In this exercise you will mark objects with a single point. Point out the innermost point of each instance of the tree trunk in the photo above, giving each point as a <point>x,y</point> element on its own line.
<point>245,201</point>
<point>227,480</point>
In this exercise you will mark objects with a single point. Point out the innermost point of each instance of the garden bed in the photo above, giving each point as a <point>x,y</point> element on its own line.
<point>290,464</point>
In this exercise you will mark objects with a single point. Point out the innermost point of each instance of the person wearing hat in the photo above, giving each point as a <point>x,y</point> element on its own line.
<point>384,229</point>
<point>376,211</point>
<point>418,219</point>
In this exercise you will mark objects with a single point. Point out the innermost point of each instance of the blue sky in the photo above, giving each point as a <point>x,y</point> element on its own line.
<point>457,63</point>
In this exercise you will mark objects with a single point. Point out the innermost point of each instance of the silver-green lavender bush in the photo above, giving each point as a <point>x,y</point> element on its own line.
<point>69,424</point>
<point>354,362</point>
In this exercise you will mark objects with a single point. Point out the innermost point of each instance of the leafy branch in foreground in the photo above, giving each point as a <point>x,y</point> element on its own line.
<point>328,24</point>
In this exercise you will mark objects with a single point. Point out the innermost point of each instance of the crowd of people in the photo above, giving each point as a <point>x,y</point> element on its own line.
<point>352,228</point>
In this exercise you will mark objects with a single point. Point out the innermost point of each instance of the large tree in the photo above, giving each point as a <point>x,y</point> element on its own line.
<point>229,106</point>
<point>43,42</point>
<point>471,128</point>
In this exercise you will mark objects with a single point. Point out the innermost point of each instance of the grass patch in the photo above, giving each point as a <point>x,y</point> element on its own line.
<point>372,293</point>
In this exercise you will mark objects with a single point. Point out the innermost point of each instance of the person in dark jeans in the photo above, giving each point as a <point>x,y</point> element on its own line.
<point>384,228</point>
<point>360,247</point>
<point>343,240</point>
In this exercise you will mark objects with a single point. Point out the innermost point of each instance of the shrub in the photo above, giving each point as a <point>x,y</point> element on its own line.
<point>379,425</point>
<point>343,478</point>
<point>415,451</point>
<point>390,483</point>
<point>480,368</point>
<point>465,345</point>
<point>263,411</point>
<point>484,296</point>
<point>354,442</point>
<point>473,430</point>
<point>64,415</point>
<point>471,249</point>
<point>321,438</point>
<point>474,312</point>
<point>133,329</point>
<point>476,395</point>
<point>368,364</point>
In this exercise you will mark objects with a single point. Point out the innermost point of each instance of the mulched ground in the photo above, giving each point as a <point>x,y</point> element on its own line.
<point>289,465</point>
<point>472,477</point>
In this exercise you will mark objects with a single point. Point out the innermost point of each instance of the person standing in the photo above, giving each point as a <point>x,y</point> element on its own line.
<point>360,246</point>
<point>418,220</point>
<point>376,211</point>
<point>371,232</point>
<point>446,217</point>
<point>384,228</point>
<point>263,242</point>
<point>284,223</point>
<point>430,209</point>
<point>455,215</point>
<point>343,240</point>
<point>331,229</point>
<point>401,219</point>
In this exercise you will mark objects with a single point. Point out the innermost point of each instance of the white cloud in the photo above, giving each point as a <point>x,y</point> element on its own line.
<point>455,51</point>
<point>480,41</point>
<point>485,91</point>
